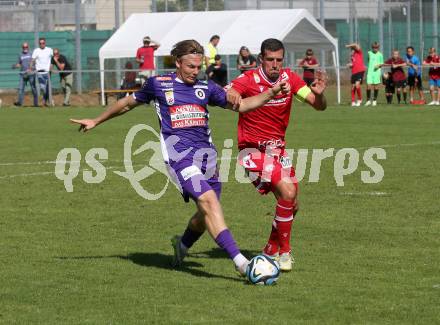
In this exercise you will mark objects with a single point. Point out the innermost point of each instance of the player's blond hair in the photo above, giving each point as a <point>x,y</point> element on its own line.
<point>187,47</point>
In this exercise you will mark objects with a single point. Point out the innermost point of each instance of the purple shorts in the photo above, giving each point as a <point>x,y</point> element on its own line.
<point>196,174</point>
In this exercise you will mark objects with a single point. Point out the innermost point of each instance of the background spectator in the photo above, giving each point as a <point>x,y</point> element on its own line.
<point>211,51</point>
<point>357,73</point>
<point>218,71</point>
<point>398,75</point>
<point>145,58</point>
<point>375,59</point>
<point>42,58</point>
<point>245,60</point>
<point>414,74</point>
<point>129,80</point>
<point>66,78</point>
<point>309,63</point>
<point>433,60</point>
<point>26,75</point>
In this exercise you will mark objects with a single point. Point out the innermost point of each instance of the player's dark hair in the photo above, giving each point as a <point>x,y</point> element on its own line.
<point>271,44</point>
<point>42,39</point>
<point>213,37</point>
<point>375,45</point>
<point>185,47</point>
<point>410,47</point>
<point>309,52</point>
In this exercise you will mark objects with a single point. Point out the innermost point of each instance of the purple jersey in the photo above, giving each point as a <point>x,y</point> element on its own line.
<point>182,110</point>
<point>187,148</point>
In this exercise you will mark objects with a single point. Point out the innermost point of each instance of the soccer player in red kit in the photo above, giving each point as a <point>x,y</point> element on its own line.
<point>261,139</point>
<point>357,73</point>
<point>398,75</point>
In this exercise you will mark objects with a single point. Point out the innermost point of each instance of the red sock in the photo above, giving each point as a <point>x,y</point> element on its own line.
<point>353,98</point>
<point>359,92</point>
<point>272,247</point>
<point>283,219</point>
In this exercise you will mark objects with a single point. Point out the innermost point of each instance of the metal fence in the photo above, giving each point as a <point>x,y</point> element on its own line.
<point>395,24</point>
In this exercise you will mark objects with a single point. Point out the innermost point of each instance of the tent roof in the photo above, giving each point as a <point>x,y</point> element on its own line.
<point>297,28</point>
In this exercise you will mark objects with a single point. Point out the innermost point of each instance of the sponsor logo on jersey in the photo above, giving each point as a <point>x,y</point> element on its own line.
<point>277,101</point>
<point>261,89</point>
<point>189,172</point>
<point>163,78</point>
<point>257,78</point>
<point>271,144</point>
<point>248,163</point>
<point>166,84</point>
<point>169,96</point>
<point>200,94</point>
<point>284,76</point>
<point>200,86</point>
<point>185,116</point>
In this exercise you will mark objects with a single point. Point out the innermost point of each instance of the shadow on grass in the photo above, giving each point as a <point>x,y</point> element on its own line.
<point>220,253</point>
<point>161,261</point>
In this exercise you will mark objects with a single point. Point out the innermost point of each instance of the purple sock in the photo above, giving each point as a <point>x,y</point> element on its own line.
<point>190,237</point>
<point>225,241</point>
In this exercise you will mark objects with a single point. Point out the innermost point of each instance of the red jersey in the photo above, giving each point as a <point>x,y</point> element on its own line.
<point>357,61</point>
<point>397,73</point>
<point>309,73</point>
<point>147,54</point>
<point>266,125</point>
<point>434,72</point>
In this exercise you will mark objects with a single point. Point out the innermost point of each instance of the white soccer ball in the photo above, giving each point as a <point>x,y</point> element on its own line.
<point>262,270</point>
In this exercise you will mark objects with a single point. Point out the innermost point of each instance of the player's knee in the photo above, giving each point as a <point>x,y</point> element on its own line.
<point>288,194</point>
<point>208,202</point>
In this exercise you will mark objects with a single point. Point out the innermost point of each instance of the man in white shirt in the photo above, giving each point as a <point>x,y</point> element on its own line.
<point>41,60</point>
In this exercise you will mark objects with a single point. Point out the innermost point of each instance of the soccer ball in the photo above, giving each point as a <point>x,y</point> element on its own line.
<point>262,270</point>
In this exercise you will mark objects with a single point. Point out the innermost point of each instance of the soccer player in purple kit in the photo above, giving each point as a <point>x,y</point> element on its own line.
<point>190,156</point>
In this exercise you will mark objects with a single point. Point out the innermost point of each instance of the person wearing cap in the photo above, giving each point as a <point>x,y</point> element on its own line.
<point>145,57</point>
<point>245,60</point>
<point>218,72</point>
<point>26,75</point>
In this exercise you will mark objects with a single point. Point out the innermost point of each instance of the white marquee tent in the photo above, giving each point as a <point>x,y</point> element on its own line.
<point>297,28</point>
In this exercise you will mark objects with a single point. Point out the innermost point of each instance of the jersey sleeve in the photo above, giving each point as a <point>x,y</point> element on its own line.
<point>146,93</point>
<point>138,54</point>
<point>217,95</point>
<point>34,54</point>
<point>299,87</point>
<point>389,61</point>
<point>241,83</point>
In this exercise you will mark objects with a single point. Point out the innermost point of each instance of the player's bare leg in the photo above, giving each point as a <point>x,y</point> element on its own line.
<point>279,241</point>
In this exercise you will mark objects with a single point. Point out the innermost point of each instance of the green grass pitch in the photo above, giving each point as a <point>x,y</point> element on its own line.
<point>365,253</point>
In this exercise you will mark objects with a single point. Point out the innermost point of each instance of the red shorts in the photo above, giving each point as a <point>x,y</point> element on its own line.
<point>266,169</point>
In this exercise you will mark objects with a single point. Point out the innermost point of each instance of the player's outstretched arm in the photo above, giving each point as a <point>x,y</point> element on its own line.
<point>120,107</point>
<point>236,103</point>
<point>316,98</point>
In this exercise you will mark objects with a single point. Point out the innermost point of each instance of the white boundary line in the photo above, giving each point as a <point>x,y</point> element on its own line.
<point>51,162</point>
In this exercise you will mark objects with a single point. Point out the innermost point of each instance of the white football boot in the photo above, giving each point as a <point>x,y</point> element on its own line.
<point>242,269</point>
<point>374,103</point>
<point>368,103</point>
<point>358,103</point>
<point>286,262</point>
<point>432,103</point>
